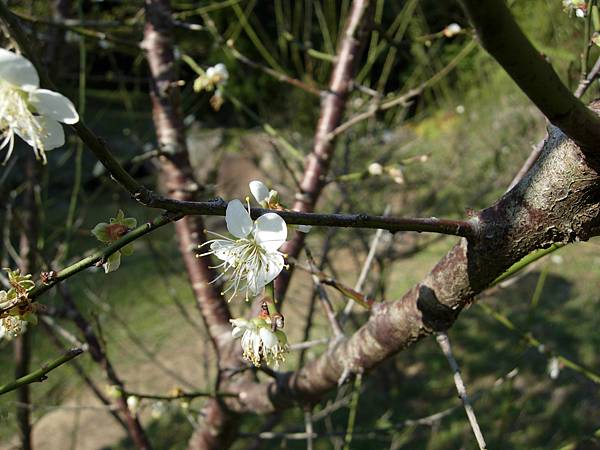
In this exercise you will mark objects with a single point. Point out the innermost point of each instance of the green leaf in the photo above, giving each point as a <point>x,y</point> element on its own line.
<point>100,231</point>
<point>112,263</point>
<point>127,250</point>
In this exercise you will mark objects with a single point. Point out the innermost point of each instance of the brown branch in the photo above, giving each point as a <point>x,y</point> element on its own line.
<point>324,298</point>
<point>333,106</point>
<point>176,178</point>
<point>505,41</point>
<point>558,201</point>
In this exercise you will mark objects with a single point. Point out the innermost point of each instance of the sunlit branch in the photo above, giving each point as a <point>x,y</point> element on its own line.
<point>40,374</point>
<point>444,343</point>
<point>505,41</point>
<point>180,395</point>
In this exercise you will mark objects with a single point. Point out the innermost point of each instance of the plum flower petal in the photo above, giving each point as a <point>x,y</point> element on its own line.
<point>239,222</point>
<point>26,111</point>
<point>259,343</point>
<point>260,192</point>
<point>252,260</point>
<point>54,105</point>
<point>270,231</point>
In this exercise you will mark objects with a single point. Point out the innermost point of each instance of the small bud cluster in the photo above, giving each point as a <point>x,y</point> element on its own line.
<point>18,308</point>
<point>213,79</point>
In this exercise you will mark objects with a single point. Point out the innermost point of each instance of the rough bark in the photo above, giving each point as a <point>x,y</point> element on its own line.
<point>557,201</point>
<point>22,344</point>
<point>333,105</point>
<point>218,425</point>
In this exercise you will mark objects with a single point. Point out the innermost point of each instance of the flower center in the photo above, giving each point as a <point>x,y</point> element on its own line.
<point>16,117</point>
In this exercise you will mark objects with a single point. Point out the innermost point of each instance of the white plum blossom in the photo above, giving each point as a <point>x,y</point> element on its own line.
<point>270,199</point>
<point>213,78</point>
<point>29,112</point>
<point>375,169</point>
<point>251,259</point>
<point>265,197</point>
<point>133,403</point>
<point>259,342</point>
<point>218,74</point>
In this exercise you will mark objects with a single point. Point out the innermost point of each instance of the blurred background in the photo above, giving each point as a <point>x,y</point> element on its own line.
<point>528,349</point>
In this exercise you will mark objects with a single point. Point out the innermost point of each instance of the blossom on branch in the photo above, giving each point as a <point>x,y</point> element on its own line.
<point>213,79</point>
<point>577,6</point>
<point>29,112</point>
<point>19,311</point>
<point>252,258</point>
<point>259,342</point>
<point>110,232</point>
<point>269,198</point>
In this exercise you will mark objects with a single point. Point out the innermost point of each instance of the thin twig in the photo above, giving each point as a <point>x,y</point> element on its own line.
<point>325,302</point>
<point>365,268</point>
<point>308,426</point>
<point>444,342</point>
<point>180,395</point>
<point>40,374</point>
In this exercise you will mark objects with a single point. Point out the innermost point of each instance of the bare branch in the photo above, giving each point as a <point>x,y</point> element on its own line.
<point>443,341</point>
<point>40,375</point>
<point>505,41</point>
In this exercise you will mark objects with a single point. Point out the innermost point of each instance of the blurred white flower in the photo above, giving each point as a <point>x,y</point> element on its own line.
<point>375,169</point>
<point>29,112</point>
<point>259,342</point>
<point>261,193</point>
<point>213,78</point>
<point>577,6</point>
<point>452,30</point>
<point>218,74</point>
<point>133,403</point>
<point>252,258</point>
<point>554,367</point>
<point>158,409</point>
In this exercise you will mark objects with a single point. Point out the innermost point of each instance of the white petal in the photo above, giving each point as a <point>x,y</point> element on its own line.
<point>259,191</point>
<point>258,279</point>
<point>237,332</point>
<point>269,338</point>
<point>222,249</point>
<point>239,222</point>
<point>54,105</point>
<point>52,136</point>
<point>256,341</point>
<point>241,323</point>
<point>271,231</point>
<point>17,70</point>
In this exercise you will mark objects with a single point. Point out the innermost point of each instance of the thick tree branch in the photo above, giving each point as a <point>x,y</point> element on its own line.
<point>505,41</point>
<point>557,202</point>
<point>177,180</point>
